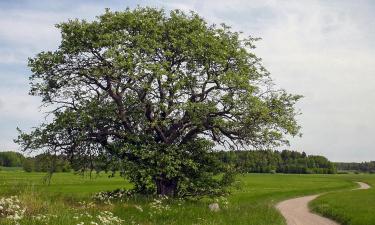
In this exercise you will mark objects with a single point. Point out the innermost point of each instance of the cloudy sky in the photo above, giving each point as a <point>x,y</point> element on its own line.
<point>324,50</point>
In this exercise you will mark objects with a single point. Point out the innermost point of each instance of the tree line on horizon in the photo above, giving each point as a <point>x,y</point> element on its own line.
<point>364,167</point>
<point>11,159</point>
<point>243,161</point>
<point>286,161</point>
<point>39,163</point>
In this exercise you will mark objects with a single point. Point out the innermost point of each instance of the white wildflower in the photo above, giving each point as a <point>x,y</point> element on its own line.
<point>139,208</point>
<point>11,208</point>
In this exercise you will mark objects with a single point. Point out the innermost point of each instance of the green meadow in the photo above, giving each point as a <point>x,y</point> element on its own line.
<point>69,200</point>
<point>349,207</point>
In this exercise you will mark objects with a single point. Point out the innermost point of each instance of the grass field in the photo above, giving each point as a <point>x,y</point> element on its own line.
<point>350,207</point>
<point>252,203</point>
<point>2,168</point>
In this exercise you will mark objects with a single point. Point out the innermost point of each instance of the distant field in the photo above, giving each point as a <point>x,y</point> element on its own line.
<point>251,204</point>
<point>350,207</point>
<point>2,168</point>
<point>65,184</point>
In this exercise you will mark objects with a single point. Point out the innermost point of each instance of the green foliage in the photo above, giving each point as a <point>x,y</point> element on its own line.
<point>28,165</point>
<point>274,161</point>
<point>11,159</point>
<point>154,91</point>
<point>46,163</point>
<point>364,167</point>
<point>190,166</point>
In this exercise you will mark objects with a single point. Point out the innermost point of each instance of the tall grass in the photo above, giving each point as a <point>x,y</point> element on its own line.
<point>349,207</point>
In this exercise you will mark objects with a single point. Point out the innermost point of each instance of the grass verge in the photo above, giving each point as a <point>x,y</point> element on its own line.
<point>349,207</point>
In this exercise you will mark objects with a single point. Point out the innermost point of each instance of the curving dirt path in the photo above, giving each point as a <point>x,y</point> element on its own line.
<point>362,186</point>
<point>296,210</point>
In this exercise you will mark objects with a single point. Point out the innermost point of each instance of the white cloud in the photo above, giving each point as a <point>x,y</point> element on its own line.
<point>325,56</point>
<point>17,109</point>
<point>17,105</point>
<point>35,29</point>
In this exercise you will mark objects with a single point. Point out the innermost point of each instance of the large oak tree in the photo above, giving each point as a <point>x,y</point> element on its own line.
<point>158,92</point>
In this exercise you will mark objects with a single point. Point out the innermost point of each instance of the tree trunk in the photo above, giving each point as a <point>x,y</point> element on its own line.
<point>166,187</point>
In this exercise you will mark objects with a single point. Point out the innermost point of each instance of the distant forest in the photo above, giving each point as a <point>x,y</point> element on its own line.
<point>39,163</point>
<point>261,161</point>
<point>364,167</point>
<point>11,159</point>
<point>277,162</point>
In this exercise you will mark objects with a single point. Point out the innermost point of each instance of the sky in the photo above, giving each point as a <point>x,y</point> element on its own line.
<point>323,50</point>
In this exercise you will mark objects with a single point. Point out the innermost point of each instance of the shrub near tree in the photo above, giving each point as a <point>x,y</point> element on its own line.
<point>157,91</point>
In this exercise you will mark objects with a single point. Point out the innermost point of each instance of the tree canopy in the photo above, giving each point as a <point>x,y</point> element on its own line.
<point>158,91</point>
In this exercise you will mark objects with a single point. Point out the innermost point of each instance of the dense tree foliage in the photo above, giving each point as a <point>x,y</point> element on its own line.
<point>157,91</point>
<point>365,167</point>
<point>275,161</point>
<point>11,159</point>
<point>46,163</point>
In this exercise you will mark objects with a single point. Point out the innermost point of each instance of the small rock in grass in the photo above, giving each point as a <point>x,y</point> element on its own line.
<point>214,207</point>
